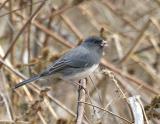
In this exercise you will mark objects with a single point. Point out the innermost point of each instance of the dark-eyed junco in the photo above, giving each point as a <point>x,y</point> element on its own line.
<point>76,64</point>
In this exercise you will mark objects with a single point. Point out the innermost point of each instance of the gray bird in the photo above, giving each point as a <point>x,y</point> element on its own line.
<point>76,64</point>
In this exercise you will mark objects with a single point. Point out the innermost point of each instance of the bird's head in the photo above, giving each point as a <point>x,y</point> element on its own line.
<point>95,42</point>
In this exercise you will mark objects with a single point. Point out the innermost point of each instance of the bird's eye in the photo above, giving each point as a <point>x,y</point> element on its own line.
<point>97,41</point>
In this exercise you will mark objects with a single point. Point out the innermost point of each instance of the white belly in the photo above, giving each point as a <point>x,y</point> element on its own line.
<point>83,74</point>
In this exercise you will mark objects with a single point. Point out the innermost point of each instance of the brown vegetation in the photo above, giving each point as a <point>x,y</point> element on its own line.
<point>34,33</point>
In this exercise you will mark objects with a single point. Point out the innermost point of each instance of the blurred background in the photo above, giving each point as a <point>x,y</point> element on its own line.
<point>34,33</point>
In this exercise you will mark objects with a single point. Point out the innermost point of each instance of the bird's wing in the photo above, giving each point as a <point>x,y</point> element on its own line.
<point>76,58</point>
<point>54,68</point>
<point>79,57</point>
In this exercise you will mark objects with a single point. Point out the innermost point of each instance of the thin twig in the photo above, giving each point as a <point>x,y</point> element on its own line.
<point>72,26</point>
<point>45,42</point>
<point>112,76</point>
<point>52,34</point>
<point>50,108</point>
<point>29,37</point>
<point>107,112</point>
<point>13,122</point>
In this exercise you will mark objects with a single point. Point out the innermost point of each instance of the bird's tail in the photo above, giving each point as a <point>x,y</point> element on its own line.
<point>34,78</point>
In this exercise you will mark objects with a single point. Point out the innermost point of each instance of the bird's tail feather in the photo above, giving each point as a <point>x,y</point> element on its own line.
<point>34,78</point>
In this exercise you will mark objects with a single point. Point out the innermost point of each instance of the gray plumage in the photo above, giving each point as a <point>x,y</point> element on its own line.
<point>74,62</point>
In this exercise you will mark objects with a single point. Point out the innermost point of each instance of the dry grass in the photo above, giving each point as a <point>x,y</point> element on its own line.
<point>35,33</point>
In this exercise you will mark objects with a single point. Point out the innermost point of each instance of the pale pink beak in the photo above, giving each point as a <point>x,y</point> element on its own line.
<point>104,43</point>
